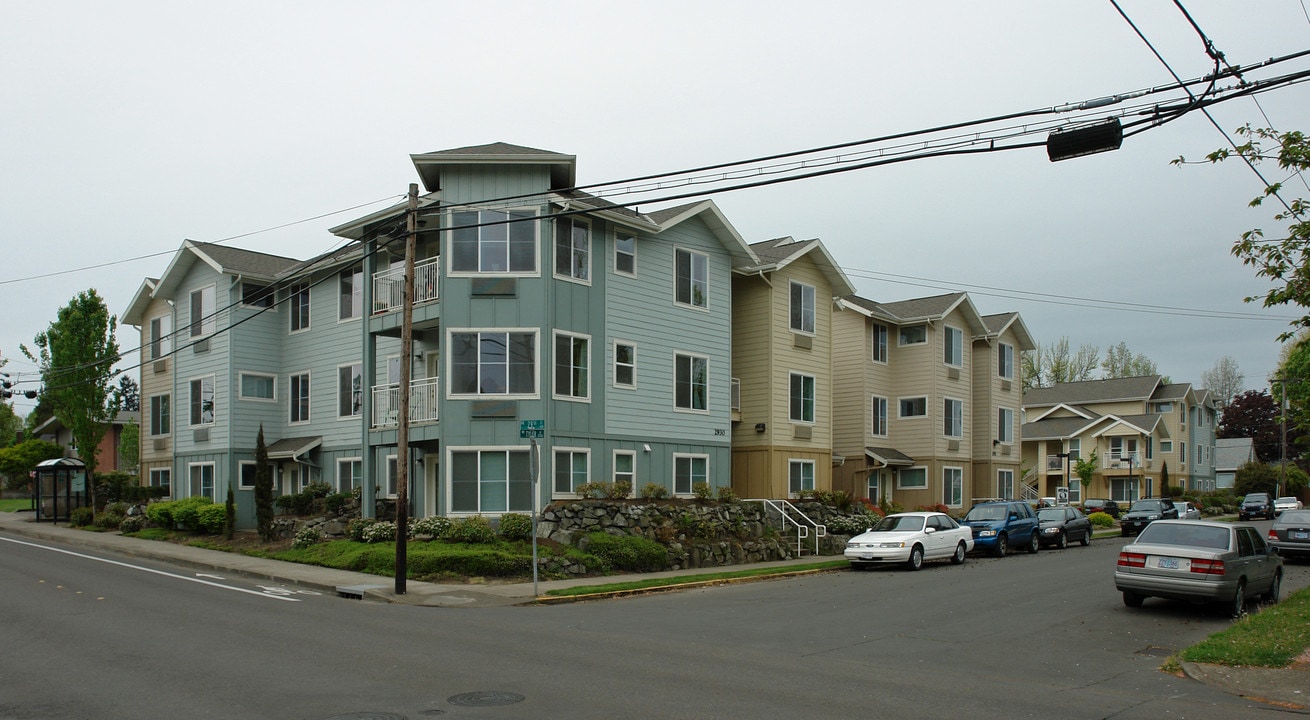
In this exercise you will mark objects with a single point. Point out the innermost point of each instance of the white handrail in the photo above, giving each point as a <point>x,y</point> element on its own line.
<point>784,510</point>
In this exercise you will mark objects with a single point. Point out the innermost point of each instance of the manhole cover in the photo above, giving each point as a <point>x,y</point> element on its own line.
<point>485,698</point>
<point>1155,651</point>
<point>369,716</point>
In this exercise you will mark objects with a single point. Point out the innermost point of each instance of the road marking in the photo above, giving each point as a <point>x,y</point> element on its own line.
<point>149,570</point>
<point>216,577</point>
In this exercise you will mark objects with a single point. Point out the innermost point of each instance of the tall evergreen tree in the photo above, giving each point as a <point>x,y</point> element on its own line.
<point>263,489</point>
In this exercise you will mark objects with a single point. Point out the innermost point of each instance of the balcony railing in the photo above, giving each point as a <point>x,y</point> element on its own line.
<point>423,396</point>
<point>1121,461</point>
<point>389,285</point>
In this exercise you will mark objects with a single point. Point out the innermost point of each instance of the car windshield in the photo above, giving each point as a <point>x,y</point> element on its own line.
<point>1094,503</point>
<point>1256,497</point>
<point>1145,506</point>
<point>900,523</point>
<point>1187,535</point>
<point>986,512</point>
<point>1055,513</point>
<point>1295,517</point>
<point>1287,500</point>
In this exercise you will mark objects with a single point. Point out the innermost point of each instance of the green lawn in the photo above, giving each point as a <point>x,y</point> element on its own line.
<point>1273,637</point>
<point>14,504</point>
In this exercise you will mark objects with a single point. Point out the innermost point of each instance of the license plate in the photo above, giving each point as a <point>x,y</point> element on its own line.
<point>1167,563</point>
<point>1299,535</point>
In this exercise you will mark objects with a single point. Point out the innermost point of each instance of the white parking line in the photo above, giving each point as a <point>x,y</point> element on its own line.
<point>150,570</point>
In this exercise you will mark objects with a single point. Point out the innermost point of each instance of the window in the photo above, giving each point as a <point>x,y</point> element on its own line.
<point>571,470</point>
<point>800,476</point>
<point>953,418</point>
<point>350,293</point>
<point>913,335</point>
<point>954,355</point>
<point>1150,448</point>
<point>1122,489</point>
<point>1075,490</point>
<point>571,366</point>
<point>625,469</point>
<point>202,401</point>
<point>802,398</point>
<point>625,253</point>
<point>1200,455</point>
<point>915,478</point>
<point>161,336</point>
<point>1005,484</point>
<point>874,486</point>
<point>1182,451</point>
<point>253,295</point>
<point>350,474</point>
<point>1075,450</point>
<point>161,422</point>
<point>162,478</point>
<point>1005,361</point>
<point>493,363</point>
<point>914,407</point>
<point>691,270</point>
<point>952,486</point>
<point>202,480</point>
<point>257,386</point>
<point>246,475</point>
<point>625,365</point>
<point>505,242</point>
<point>299,307</point>
<point>691,382</point>
<point>1005,425</point>
<point>572,248</point>
<point>202,311</point>
<point>299,400</point>
<point>802,308</point>
<point>1164,407</point>
<point>689,470</point>
<point>483,481</point>
<point>350,390</point>
<point>878,416</point>
<point>1166,446</point>
<point>879,335</point>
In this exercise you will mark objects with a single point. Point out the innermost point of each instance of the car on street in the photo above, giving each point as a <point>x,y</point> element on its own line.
<point>1257,504</point>
<point>1144,512</point>
<point>1283,504</point>
<point>1290,534</point>
<point>1200,561</point>
<point>910,538</point>
<point>1188,511</point>
<point>1062,525</point>
<point>1109,507</point>
<point>999,525</point>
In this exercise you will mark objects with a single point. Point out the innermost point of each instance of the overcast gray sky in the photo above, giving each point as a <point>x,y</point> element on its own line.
<point>128,127</point>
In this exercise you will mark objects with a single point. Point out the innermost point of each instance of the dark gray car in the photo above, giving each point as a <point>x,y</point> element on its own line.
<point>1290,534</point>
<point>1062,524</point>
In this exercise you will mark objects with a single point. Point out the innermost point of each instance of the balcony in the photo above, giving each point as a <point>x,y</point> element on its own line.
<point>423,397</point>
<point>389,285</point>
<point>1121,461</point>
<point>1054,463</point>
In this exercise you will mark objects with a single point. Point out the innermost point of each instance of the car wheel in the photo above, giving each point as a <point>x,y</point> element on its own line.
<point>1271,597</point>
<point>916,558</point>
<point>958,557</point>
<point>1034,542</point>
<point>1087,538</point>
<point>1237,608</point>
<point>1062,542</point>
<point>1001,544</point>
<point>1132,599</point>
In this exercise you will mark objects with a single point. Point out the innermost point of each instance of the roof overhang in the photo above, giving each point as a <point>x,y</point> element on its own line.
<point>888,457</point>
<point>293,448</point>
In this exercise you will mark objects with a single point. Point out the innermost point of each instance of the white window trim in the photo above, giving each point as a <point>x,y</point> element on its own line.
<point>814,475</point>
<point>586,452</point>
<point>615,254</point>
<point>214,411</point>
<point>926,483</point>
<point>292,399</point>
<point>591,367</point>
<point>270,292</point>
<point>688,305</point>
<point>886,416</point>
<point>448,239</point>
<point>947,469</point>
<point>999,492</point>
<point>536,363</point>
<point>209,316</point>
<point>154,472</point>
<point>241,386</point>
<point>886,343</point>
<point>554,247</point>
<point>213,476</point>
<point>1001,347</point>
<point>946,333</point>
<point>337,396</point>
<point>241,485</point>
<point>814,310</point>
<point>709,385</point>
<point>165,339</point>
<point>673,476</point>
<point>337,476</point>
<point>614,469</point>
<point>1000,439</point>
<point>814,401</point>
<point>899,400</point>
<point>960,436</point>
<point>360,315</point>
<point>614,364</point>
<point>293,309</point>
<point>387,479</point>
<point>900,338</point>
<point>172,411</point>
<point>448,494</point>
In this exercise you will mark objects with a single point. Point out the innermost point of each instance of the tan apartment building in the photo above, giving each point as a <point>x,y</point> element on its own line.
<point>782,359</point>
<point>154,317</point>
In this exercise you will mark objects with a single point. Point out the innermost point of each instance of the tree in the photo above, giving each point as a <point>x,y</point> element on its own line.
<point>1255,477</point>
<point>1085,469</point>
<point>1120,362</point>
<point>1223,381</point>
<point>1054,363</point>
<point>129,447</point>
<point>1254,414</point>
<point>263,488</point>
<point>129,393</point>
<point>76,354</point>
<point>230,513</point>
<point>1291,384</point>
<point>17,462</point>
<point>1164,480</point>
<point>10,425</point>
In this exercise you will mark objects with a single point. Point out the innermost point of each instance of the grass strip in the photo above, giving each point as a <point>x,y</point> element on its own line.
<point>1273,637</point>
<point>15,504</point>
<point>650,583</point>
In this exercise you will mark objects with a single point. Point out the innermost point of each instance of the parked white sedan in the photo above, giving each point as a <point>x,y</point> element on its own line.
<point>910,538</point>
<point>1286,503</point>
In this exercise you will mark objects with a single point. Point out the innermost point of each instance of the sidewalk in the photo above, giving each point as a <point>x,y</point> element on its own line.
<point>1287,688</point>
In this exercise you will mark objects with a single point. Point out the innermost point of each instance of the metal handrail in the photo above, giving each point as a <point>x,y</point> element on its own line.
<point>784,508</point>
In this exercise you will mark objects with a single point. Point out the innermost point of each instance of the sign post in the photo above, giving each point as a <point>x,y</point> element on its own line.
<point>533,429</point>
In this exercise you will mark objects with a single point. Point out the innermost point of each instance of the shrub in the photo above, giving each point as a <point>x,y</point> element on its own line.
<point>626,552</point>
<point>515,526</point>
<point>132,523</point>
<point>654,491</point>
<point>1101,520</point>
<point>160,514</point>
<point>317,490</point>
<point>355,530</point>
<point>119,508</point>
<point>211,518</point>
<point>336,502</point>
<point>702,491</point>
<point>306,536</point>
<point>107,520</point>
<point>727,494</point>
<point>186,512</point>
<point>376,532</point>
<point>80,517</point>
<point>474,529</point>
<point>432,526</point>
<point>617,490</point>
<point>851,524</point>
<point>842,500</point>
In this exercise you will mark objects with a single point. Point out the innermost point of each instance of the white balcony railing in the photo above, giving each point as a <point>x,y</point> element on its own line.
<point>389,285</point>
<point>1054,462</point>
<point>423,396</point>
<point>1121,461</point>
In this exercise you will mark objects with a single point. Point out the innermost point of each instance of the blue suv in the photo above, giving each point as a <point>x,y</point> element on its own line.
<point>998,526</point>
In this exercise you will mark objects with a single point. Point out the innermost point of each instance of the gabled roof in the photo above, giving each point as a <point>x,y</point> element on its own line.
<point>259,266</point>
<point>1232,453</point>
<point>578,200</point>
<point>921,310</point>
<point>778,253</point>
<point>997,325</point>
<point>1171,391</point>
<point>429,165</point>
<point>391,215</point>
<point>1078,410</point>
<point>1058,428</point>
<point>1138,424</point>
<point>1093,391</point>
<point>889,456</point>
<point>136,309</point>
<point>709,213</point>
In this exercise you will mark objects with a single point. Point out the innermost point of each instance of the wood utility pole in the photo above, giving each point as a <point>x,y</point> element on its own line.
<point>402,420</point>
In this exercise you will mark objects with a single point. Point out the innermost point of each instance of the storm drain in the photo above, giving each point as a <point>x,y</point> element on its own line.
<point>489,698</point>
<point>1155,651</point>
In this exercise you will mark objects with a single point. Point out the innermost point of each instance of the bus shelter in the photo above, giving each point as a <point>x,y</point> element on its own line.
<point>60,487</point>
